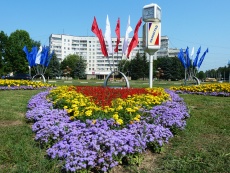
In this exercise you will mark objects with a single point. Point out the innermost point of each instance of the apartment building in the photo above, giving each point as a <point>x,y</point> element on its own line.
<point>89,48</point>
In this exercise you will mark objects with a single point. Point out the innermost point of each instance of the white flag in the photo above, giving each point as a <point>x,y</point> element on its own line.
<point>192,53</point>
<point>108,35</point>
<point>38,56</point>
<point>125,43</point>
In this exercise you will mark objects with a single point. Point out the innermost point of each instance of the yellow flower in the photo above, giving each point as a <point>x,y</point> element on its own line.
<point>76,113</point>
<point>138,116</point>
<point>119,108</point>
<point>130,110</point>
<point>88,113</point>
<point>119,121</point>
<point>71,118</point>
<point>115,116</point>
<point>65,107</point>
<point>69,110</point>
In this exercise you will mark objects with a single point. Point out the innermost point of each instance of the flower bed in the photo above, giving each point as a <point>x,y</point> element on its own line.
<point>122,105</point>
<point>217,89</point>
<point>87,142</point>
<point>6,84</point>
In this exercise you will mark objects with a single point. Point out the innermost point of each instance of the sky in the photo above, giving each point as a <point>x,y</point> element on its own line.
<point>195,23</point>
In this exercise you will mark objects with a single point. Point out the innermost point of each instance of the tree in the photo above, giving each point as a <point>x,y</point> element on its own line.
<point>201,75</point>
<point>3,42</point>
<point>74,66</point>
<point>79,70</point>
<point>177,70</point>
<point>171,68</point>
<point>15,59</point>
<point>139,67</point>
<point>124,67</point>
<point>54,68</point>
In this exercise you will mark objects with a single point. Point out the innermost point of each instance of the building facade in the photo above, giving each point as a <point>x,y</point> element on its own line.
<point>89,48</point>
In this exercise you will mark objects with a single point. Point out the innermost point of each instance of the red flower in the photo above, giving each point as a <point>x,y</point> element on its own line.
<point>103,96</point>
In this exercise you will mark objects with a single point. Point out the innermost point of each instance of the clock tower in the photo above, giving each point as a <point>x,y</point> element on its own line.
<point>151,15</point>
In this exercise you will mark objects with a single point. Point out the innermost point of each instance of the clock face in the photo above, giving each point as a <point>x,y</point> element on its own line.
<point>152,13</point>
<point>158,13</point>
<point>148,13</point>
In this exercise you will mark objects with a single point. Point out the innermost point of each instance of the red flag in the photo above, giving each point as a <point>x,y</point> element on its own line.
<point>117,30</point>
<point>98,33</point>
<point>103,46</point>
<point>95,28</point>
<point>134,40</point>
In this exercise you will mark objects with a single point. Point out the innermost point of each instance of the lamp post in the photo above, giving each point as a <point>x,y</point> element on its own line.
<point>151,15</point>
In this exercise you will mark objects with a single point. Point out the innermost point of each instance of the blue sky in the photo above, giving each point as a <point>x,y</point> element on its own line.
<point>195,23</point>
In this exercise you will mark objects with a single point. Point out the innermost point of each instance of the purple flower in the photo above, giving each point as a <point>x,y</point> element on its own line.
<point>101,145</point>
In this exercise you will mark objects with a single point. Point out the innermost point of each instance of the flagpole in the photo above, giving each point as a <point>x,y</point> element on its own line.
<point>117,60</point>
<point>185,76</point>
<point>113,66</point>
<point>109,64</point>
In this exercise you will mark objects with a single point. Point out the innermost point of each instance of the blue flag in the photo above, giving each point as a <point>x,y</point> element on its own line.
<point>181,58</point>
<point>32,56</point>
<point>197,57</point>
<point>26,52</point>
<point>187,57</point>
<point>44,55</point>
<point>48,59</point>
<point>202,58</point>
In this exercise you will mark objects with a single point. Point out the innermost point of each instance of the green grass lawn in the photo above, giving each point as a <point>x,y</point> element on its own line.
<point>204,146</point>
<point>133,83</point>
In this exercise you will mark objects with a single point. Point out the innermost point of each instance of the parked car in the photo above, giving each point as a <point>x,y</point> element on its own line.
<point>19,76</point>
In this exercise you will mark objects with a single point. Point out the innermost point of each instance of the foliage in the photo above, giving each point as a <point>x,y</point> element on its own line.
<point>15,59</point>
<point>54,68</point>
<point>74,66</point>
<point>139,67</point>
<point>221,73</point>
<point>3,42</point>
<point>124,67</point>
<point>79,71</point>
<point>200,75</point>
<point>171,68</point>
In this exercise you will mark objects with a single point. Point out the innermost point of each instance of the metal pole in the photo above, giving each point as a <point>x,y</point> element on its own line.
<point>113,66</point>
<point>224,76</point>
<point>151,71</point>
